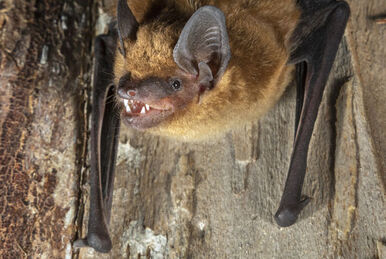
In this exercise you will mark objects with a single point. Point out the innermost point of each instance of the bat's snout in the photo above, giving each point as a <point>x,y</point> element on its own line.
<point>126,93</point>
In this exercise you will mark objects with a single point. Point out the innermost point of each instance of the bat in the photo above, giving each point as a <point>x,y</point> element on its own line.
<point>192,70</point>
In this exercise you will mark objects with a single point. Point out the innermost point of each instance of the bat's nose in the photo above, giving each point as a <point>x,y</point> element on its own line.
<point>126,88</point>
<point>132,92</point>
<point>126,93</point>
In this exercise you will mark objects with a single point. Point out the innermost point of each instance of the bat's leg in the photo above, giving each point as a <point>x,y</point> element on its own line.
<point>104,141</point>
<point>315,53</point>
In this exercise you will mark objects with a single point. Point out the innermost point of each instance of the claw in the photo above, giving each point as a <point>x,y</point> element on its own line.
<point>80,243</point>
<point>101,243</point>
<point>288,214</point>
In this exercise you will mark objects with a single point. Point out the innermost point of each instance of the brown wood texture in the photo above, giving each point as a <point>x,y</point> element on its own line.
<point>367,42</point>
<point>44,79</point>
<point>177,200</point>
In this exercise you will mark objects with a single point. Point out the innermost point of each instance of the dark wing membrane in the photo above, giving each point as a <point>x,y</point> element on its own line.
<point>316,41</point>
<point>105,123</point>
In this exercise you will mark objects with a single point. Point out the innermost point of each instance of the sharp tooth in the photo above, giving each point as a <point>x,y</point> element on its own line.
<point>127,106</point>
<point>147,107</point>
<point>143,111</point>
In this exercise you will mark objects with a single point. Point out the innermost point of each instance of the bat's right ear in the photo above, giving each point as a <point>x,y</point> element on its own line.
<point>127,24</point>
<point>203,47</point>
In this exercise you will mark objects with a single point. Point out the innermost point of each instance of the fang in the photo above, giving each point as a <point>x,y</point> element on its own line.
<point>127,106</point>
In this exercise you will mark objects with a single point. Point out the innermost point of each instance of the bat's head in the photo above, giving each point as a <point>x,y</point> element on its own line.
<point>164,66</point>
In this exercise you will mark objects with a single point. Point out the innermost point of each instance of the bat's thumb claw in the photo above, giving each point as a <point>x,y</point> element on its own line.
<point>287,215</point>
<point>80,243</point>
<point>101,244</point>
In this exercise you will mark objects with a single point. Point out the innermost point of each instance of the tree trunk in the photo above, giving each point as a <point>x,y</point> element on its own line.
<point>45,63</point>
<point>177,200</point>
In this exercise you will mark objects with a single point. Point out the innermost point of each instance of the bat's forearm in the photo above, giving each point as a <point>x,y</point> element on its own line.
<point>318,50</point>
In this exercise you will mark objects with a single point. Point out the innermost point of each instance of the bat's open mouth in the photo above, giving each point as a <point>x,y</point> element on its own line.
<point>135,107</point>
<point>142,115</point>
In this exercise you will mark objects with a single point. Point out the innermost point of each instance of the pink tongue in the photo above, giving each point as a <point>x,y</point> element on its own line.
<point>136,107</point>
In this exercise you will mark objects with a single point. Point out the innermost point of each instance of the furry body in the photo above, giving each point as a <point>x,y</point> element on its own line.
<point>257,73</point>
<point>191,71</point>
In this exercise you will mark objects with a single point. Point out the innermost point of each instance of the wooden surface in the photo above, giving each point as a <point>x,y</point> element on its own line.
<point>44,83</point>
<point>175,200</point>
<point>367,44</point>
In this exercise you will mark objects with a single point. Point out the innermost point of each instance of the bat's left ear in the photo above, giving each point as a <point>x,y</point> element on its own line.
<point>127,24</point>
<point>203,47</point>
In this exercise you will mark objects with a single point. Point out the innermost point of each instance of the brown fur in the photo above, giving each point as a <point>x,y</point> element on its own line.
<point>257,73</point>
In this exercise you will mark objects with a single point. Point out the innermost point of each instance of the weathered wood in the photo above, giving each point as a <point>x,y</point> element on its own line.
<point>44,77</point>
<point>367,44</point>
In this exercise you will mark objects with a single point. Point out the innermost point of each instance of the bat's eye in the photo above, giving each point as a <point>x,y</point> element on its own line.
<point>176,84</point>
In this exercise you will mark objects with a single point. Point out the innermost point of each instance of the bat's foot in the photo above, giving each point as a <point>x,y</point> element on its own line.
<point>287,215</point>
<point>100,243</point>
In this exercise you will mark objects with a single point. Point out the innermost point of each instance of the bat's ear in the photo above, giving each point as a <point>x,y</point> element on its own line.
<point>127,24</point>
<point>203,47</point>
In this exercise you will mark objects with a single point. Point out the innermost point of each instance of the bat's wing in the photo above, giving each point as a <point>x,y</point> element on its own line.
<point>315,41</point>
<point>105,123</point>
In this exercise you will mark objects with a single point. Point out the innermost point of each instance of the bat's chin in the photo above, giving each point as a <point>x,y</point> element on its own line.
<point>142,116</point>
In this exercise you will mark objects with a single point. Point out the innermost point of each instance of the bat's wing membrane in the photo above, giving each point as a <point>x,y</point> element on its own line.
<point>105,123</point>
<point>316,41</point>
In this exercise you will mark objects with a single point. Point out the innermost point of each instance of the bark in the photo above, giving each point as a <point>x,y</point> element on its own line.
<point>178,200</point>
<point>45,61</point>
<point>366,39</point>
